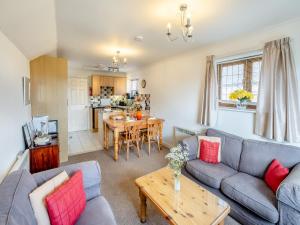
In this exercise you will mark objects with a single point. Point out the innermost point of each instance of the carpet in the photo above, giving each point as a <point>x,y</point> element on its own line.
<point>118,183</point>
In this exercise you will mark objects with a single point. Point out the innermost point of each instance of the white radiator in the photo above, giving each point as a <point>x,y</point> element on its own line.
<point>22,162</point>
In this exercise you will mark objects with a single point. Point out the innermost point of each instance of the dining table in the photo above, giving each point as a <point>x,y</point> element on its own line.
<point>117,126</point>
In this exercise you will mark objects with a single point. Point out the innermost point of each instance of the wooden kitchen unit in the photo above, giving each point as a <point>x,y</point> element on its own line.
<point>119,83</point>
<point>44,157</point>
<point>49,94</point>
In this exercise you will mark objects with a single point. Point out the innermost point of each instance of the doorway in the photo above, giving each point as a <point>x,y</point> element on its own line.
<point>78,107</point>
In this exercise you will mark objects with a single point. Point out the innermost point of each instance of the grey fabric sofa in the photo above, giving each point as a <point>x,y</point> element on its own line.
<point>15,207</point>
<point>238,179</point>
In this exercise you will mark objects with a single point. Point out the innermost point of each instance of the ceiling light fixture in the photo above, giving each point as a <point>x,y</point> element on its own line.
<point>139,38</point>
<point>185,25</point>
<point>117,62</point>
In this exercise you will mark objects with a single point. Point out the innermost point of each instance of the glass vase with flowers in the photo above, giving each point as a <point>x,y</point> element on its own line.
<point>177,157</point>
<point>242,98</point>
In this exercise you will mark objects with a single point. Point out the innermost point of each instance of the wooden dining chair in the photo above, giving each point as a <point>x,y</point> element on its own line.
<point>131,136</point>
<point>153,132</point>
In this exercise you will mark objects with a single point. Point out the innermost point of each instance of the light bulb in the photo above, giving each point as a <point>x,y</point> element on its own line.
<point>169,27</point>
<point>188,18</point>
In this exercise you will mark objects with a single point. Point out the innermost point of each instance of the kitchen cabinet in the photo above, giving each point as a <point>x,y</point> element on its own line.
<point>120,84</point>
<point>96,118</point>
<point>106,81</point>
<point>95,85</point>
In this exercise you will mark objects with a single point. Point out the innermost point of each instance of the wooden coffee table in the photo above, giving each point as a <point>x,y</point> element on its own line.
<point>192,205</point>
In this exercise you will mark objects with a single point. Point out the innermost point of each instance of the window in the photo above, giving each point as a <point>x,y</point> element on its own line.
<point>238,74</point>
<point>134,85</point>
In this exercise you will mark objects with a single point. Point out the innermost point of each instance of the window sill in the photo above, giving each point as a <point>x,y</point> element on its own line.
<point>237,110</point>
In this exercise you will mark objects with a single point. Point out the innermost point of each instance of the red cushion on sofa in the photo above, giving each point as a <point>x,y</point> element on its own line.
<point>209,151</point>
<point>67,203</point>
<point>275,174</point>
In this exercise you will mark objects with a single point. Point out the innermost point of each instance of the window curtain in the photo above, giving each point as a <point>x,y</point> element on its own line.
<point>209,103</point>
<point>278,112</point>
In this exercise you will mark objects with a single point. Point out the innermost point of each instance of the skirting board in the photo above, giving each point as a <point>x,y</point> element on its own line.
<point>83,152</point>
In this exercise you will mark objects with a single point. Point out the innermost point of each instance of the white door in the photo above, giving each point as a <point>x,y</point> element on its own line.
<point>78,104</point>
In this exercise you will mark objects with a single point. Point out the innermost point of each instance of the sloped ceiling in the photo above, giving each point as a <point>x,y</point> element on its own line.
<point>30,25</point>
<point>88,32</point>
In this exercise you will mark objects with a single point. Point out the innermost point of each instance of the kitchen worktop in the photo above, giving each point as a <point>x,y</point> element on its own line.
<point>105,106</point>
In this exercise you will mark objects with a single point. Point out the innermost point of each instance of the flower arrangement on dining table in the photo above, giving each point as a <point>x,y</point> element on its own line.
<point>177,157</point>
<point>242,97</point>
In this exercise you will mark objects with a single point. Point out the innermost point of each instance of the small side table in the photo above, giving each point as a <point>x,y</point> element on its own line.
<point>44,157</point>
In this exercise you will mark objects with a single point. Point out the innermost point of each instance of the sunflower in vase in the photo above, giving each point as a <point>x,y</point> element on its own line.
<point>242,97</point>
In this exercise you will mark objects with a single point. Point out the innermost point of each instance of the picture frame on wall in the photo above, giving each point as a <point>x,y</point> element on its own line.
<point>26,134</point>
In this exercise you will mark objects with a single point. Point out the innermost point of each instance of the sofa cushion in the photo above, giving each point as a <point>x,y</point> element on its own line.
<point>67,202</point>
<point>209,151</point>
<point>91,176</point>
<point>252,193</point>
<point>275,174</point>
<point>37,197</point>
<point>15,207</point>
<point>261,154</point>
<point>97,212</point>
<point>231,147</point>
<point>192,146</point>
<point>209,174</point>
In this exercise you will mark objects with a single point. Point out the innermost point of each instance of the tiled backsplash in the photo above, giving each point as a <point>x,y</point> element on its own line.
<point>143,99</point>
<point>106,91</point>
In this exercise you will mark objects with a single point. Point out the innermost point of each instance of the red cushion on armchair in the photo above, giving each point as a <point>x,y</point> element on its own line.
<point>66,204</point>
<point>275,174</point>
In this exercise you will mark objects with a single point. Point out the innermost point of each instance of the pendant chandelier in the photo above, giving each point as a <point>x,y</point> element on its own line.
<point>117,62</point>
<point>185,25</point>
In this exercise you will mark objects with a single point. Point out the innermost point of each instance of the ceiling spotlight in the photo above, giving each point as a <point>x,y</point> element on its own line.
<point>139,38</point>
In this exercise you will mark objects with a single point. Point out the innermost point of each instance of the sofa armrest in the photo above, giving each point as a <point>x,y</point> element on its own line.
<point>91,176</point>
<point>289,190</point>
<point>192,146</point>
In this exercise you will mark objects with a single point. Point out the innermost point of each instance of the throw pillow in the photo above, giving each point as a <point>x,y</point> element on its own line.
<point>37,197</point>
<point>275,174</point>
<point>211,139</point>
<point>66,204</point>
<point>209,151</point>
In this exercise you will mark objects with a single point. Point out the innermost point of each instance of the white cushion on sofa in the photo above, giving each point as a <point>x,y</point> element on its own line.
<point>37,197</point>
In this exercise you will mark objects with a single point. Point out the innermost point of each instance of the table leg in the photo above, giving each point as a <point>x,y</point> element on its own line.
<point>116,144</point>
<point>143,206</point>
<point>104,136</point>
<point>221,223</point>
<point>160,134</point>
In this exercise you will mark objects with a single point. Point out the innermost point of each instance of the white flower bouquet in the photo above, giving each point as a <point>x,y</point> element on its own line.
<point>177,157</point>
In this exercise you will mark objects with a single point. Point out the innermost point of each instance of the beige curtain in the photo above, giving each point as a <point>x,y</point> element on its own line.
<point>278,112</point>
<point>209,103</point>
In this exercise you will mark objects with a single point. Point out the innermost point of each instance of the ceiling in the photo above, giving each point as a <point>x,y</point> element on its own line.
<point>88,32</point>
<point>30,25</point>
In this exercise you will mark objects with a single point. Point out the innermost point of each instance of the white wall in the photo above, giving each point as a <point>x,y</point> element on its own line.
<point>176,84</point>
<point>13,114</point>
